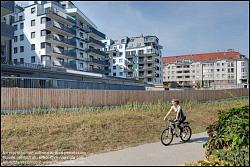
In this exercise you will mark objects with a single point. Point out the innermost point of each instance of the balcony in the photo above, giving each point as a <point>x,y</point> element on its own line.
<point>96,70</point>
<point>55,26</point>
<point>55,14</point>
<point>57,51</point>
<point>7,7</point>
<point>96,51</point>
<point>60,40</point>
<point>96,34</point>
<point>7,31</point>
<point>97,61</point>
<point>96,43</point>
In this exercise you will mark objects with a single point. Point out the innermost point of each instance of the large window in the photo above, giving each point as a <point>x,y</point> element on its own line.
<point>43,20</point>
<point>15,39</point>
<point>15,50</point>
<point>21,60</point>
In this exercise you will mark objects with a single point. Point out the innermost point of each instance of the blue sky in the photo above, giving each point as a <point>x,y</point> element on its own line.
<point>182,27</point>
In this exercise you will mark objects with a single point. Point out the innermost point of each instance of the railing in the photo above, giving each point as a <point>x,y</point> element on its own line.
<point>63,40</point>
<point>7,30</point>
<point>60,26</point>
<point>93,30</point>
<point>92,40</point>
<point>96,51</point>
<point>50,10</point>
<point>70,53</point>
<point>96,70</point>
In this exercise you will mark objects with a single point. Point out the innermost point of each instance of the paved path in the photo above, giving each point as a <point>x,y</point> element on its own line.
<point>149,154</point>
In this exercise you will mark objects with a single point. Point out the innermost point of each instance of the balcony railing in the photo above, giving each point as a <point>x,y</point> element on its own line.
<point>60,26</point>
<point>92,40</point>
<point>96,51</point>
<point>7,30</point>
<point>97,61</point>
<point>96,70</point>
<point>60,39</point>
<point>60,51</point>
<point>93,30</point>
<point>50,10</point>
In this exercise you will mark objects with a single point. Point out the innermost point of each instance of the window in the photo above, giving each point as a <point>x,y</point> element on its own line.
<point>218,70</point>
<point>20,18</point>
<point>21,26</point>
<point>81,34</point>
<point>243,70</point>
<point>43,45</point>
<point>33,59</point>
<point>81,54</point>
<point>33,35</point>
<point>123,41</point>
<point>15,27</point>
<point>120,53</point>
<point>114,74</point>
<point>21,37</point>
<point>15,61</point>
<point>222,64</point>
<point>33,47</point>
<point>120,60</point>
<point>15,50</point>
<point>81,65</point>
<point>43,33</point>
<point>15,39</point>
<point>33,10</point>
<point>21,48</point>
<point>120,46</point>
<point>218,64</point>
<point>114,61</point>
<point>43,20</point>
<point>140,52</point>
<point>120,73</point>
<point>149,79</point>
<point>81,44</point>
<point>223,69</point>
<point>120,67</point>
<point>21,60</point>
<point>114,67</point>
<point>33,23</point>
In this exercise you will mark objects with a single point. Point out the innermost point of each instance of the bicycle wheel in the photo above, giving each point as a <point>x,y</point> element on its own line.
<point>186,134</point>
<point>167,136</point>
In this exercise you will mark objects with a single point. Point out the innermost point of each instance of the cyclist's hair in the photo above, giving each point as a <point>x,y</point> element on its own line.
<point>177,101</point>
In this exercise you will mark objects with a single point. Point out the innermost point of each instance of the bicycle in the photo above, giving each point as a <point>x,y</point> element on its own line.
<point>168,133</point>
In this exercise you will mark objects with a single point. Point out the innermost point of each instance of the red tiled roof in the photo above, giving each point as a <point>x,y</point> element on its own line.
<point>203,56</point>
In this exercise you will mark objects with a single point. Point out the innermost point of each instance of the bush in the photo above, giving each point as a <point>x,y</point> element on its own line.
<point>229,137</point>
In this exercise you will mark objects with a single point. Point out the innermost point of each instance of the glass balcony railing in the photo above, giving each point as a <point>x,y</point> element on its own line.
<point>60,26</point>
<point>60,39</point>
<point>93,30</point>
<point>57,50</point>
<point>92,40</point>
<point>96,51</point>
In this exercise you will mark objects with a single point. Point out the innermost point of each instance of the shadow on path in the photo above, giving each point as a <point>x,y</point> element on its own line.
<point>194,140</point>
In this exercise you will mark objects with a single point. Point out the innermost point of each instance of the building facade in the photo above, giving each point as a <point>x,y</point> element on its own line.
<point>218,70</point>
<point>57,33</point>
<point>7,31</point>
<point>136,58</point>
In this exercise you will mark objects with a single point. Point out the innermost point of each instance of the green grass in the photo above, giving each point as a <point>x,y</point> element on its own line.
<point>95,130</point>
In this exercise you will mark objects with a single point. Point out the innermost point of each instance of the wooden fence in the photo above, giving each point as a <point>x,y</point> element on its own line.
<point>28,98</point>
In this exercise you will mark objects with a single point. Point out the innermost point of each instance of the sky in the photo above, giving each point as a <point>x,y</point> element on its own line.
<point>182,27</point>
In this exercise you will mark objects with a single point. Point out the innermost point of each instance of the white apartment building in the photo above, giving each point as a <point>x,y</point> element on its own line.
<point>136,58</point>
<point>57,33</point>
<point>219,70</point>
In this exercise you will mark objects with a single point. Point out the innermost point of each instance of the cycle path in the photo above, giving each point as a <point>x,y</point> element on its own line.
<point>148,154</point>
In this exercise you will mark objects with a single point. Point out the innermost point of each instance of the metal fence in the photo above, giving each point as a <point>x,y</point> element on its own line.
<point>28,82</point>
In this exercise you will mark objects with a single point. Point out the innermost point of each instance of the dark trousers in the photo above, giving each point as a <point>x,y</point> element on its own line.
<point>179,122</point>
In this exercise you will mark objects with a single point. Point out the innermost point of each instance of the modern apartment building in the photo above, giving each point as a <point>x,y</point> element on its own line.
<point>136,58</point>
<point>7,31</point>
<point>219,70</point>
<point>57,33</point>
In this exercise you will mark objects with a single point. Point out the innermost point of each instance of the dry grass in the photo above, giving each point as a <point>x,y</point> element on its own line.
<point>99,130</point>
